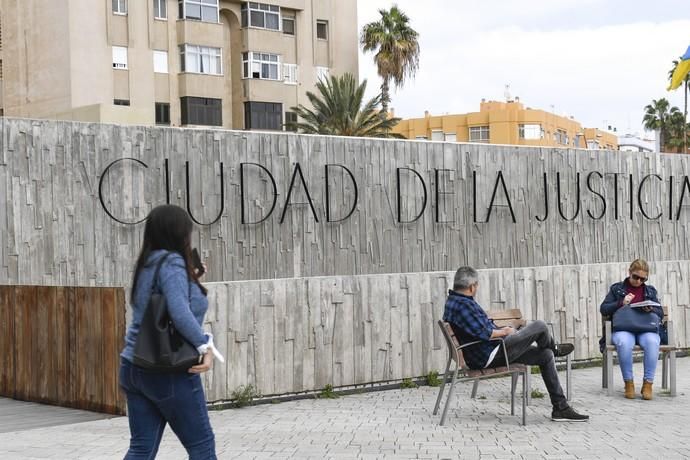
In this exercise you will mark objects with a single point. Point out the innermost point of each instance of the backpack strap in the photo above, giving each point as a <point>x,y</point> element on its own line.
<point>158,268</point>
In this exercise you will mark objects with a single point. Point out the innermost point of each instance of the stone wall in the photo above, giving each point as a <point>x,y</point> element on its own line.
<point>300,334</point>
<point>58,179</point>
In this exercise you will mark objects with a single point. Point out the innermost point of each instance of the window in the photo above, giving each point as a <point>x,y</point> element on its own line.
<point>120,6</point>
<point>200,59</point>
<point>160,9</point>
<point>450,137</point>
<point>201,10</point>
<point>436,135</point>
<point>530,131</point>
<point>261,15</point>
<point>119,57</point>
<point>290,74</point>
<point>120,101</point>
<point>265,66</point>
<point>561,137</point>
<point>289,25</point>
<point>322,30</point>
<point>290,117</point>
<point>322,73</point>
<point>263,115</point>
<point>160,61</point>
<point>162,113</point>
<point>201,111</point>
<point>479,134</point>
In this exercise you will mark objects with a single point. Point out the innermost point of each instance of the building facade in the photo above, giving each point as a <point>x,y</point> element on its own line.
<point>635,143</point>
<point>507,123</point>
<point>227,63</point>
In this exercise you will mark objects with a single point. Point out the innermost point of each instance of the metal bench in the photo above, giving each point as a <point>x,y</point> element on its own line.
<point>668,357</point>
<point>462,372</point>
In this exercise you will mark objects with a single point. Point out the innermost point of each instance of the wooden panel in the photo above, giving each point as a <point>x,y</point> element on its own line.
<point>7,341</point>
<point>26,329</point>
<point>61,345</point>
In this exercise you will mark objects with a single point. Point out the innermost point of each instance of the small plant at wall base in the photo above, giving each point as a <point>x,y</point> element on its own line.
<point>408,383</point>
<point>327,393</point>
<point>536,394</point>
<point>244,395</point>
<point>432,379</point>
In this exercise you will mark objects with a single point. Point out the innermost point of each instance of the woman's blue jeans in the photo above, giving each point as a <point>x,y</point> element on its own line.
<point>648,341</point>
<point>154,400</point>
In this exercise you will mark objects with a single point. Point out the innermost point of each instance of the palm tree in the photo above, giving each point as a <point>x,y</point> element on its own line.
<point>339,109</point>
<point>656,119</point>
<point>676,128</point>
<point>396,47</point>
<point>685,111</point>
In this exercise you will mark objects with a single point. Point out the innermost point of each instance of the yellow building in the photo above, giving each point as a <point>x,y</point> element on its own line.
<point>229,63</point>
<point>507,123</point>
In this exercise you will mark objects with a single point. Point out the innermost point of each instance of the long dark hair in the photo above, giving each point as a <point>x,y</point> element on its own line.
<point>168,227</point>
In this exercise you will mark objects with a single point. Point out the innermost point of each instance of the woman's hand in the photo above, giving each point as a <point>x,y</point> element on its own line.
<point>205,365</point>
<point>200,274</point>
<point>628,298</point>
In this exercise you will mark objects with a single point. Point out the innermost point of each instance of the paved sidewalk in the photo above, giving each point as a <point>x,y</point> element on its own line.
<point>398,424</point>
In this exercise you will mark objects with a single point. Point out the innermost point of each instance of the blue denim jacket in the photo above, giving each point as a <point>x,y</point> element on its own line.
<point>187,305</point>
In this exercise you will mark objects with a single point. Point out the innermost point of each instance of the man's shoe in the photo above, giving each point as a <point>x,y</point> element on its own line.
<point>568,415</point>
<point>563,349</point>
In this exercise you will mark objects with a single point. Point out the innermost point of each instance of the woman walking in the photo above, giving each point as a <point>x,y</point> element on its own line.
<point>155,399</point>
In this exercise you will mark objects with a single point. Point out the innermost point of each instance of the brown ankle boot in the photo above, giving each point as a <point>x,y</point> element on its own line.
<point>630,389</point>
<point>646,390</point>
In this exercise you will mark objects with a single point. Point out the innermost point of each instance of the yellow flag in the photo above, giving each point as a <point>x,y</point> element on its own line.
<point>682,69</point>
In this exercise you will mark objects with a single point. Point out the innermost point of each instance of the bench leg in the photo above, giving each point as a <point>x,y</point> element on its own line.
<point>664,369</point>
<point>443,384</point>
<point>609,372</point>
<point>528,380</point>
<point>449,399</point>
<point>568,381</point>
<point>475,385</point>
<point>604,365</point>
<point>513,384</point>
<point>524,398</point>
<point>672,370</point>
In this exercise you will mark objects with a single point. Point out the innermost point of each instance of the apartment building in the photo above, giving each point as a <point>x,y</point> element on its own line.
<point>509,123</point>
<point>227,63</point>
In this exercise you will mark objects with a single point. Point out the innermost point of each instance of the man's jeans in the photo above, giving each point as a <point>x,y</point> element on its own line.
<point>154,400</point>
<point>625,341</point>
<point>520,349</point>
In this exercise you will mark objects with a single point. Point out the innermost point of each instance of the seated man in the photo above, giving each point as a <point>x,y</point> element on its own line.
<point>470,323</point>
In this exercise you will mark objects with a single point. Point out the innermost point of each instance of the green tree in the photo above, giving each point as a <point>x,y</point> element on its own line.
<point>339,109</point>
<point>685,110</point>
<point>656,119</point>
<point>396,47</point>
<point>677,130</point>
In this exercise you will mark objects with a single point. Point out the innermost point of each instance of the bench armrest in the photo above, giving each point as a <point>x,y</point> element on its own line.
<point>607,332</point>
<point>497,339</point>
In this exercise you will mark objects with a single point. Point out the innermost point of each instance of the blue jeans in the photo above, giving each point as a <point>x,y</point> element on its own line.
<point>156,399</point>
<point>648,341</point>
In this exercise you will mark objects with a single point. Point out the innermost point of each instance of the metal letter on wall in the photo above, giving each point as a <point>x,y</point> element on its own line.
<point>275,193</point>
<point>100,189</point>
<point>328,194</point>
<point>189,196</point>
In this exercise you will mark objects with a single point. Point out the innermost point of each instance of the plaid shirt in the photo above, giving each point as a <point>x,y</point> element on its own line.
<point>469,323</point>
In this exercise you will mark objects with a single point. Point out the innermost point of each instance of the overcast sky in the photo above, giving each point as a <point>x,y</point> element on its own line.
<point>600,61</point>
